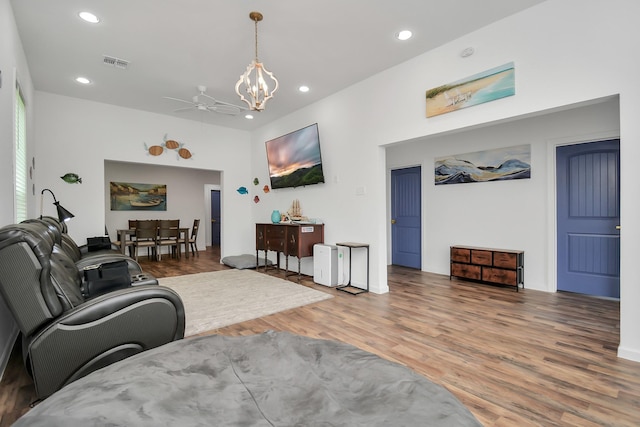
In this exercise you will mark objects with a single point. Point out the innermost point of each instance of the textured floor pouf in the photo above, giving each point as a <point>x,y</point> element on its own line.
<point>244,261</point>
<point>270,379</point>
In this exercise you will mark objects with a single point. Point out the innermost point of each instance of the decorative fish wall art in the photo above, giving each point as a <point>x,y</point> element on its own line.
<point>71,178</point>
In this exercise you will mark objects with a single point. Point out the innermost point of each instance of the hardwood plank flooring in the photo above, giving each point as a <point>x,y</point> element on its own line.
<point>523,358</point>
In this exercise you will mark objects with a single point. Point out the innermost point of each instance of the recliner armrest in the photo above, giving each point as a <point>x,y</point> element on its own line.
<point>101,331</point>
<point>103,305</point>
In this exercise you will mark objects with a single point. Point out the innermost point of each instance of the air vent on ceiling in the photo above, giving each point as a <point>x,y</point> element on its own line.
<point>115,62</point>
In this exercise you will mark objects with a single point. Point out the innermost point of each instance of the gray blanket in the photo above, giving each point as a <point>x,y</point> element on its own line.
<point>271,379</point>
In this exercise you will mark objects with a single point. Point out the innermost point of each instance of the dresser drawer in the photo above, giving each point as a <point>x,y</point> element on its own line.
<point>504,260</point>
<point>498,275</point>
<point>276,232</point>
<point>465,270</point>
<point>481,257</point>
<point>460,254</point>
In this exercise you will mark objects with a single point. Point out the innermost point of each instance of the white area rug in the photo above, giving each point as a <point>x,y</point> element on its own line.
<point>221,298</point>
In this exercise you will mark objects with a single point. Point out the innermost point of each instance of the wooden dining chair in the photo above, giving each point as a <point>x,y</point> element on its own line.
<point>169,235</point>
<point>127,241</point>
<point>146,236</point>
<point>193,238</point>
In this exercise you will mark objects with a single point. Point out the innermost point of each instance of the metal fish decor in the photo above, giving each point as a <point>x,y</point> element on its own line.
<point>154,150</point>
<point>242,190</point>
<point>169,144</point>
<point>256,199</point>
<point>71,178</point>
<point>265,189</point>
<point>256,181</point>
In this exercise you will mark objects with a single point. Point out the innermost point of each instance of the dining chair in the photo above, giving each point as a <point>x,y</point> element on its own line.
<point>146,237</point>
<point>127,242</point>
<point>193,238</point>
<point>169,235</point>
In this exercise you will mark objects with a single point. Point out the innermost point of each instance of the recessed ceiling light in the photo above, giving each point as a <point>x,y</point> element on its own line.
<point>404,35</point>
<point>83,80</point>
<point>303,89</point>
<point>248,116</point>
<point>89,17</point>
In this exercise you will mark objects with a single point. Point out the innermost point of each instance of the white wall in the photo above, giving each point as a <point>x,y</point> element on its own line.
<point>566,53</point>
<point>13,66</point>
<point>77,136</point>
<point>506,214</point>
<point>186,199</point>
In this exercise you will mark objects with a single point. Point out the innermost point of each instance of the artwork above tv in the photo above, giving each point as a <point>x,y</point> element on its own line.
<point>294,159</point>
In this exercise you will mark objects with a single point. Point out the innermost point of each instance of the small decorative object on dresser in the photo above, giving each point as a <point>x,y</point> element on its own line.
<point>498,266</point>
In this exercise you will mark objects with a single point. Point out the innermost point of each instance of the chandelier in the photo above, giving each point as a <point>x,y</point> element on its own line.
<point>252,83</point>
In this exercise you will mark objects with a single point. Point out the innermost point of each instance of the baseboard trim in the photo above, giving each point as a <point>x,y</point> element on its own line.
<point>630,354</point>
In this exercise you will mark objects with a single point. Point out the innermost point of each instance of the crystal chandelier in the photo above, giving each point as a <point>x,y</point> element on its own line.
<point>252,83</point>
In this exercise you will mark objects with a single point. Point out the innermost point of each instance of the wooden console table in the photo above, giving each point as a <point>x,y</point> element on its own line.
<point>289,238</point>
<point>498,266</point>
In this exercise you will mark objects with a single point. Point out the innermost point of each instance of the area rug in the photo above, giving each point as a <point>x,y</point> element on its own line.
<point>221,298</point>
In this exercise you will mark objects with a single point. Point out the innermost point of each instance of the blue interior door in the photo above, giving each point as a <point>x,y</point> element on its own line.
<point>406,229</point>
<point>588,180</point>
<point>215,217</point>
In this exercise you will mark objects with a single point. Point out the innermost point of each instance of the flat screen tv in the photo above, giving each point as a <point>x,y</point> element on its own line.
<point>294,159</point>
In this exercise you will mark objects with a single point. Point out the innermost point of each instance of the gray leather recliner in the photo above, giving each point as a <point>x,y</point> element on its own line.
<point>79,254</point>
<point>66,336</point>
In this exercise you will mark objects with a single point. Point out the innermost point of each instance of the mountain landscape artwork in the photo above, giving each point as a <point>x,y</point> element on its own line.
<point>482,166</point>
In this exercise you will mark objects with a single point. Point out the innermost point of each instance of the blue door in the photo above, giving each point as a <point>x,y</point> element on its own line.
<point>406,229</point>
<point>215,217</point>
<point>588,180</point>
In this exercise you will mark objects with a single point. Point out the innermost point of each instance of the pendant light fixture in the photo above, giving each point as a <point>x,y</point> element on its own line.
<point>253,82</point>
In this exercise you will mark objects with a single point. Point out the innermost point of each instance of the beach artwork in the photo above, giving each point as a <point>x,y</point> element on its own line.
<point>487,86</point>
<point>491,165</point>
<point>126,196</point>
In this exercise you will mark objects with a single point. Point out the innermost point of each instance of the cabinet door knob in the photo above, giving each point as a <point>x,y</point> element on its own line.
<point>618,227</point>
<point>393,221</point>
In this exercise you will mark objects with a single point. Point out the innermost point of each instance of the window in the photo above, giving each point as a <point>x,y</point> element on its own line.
<point>20,168</point>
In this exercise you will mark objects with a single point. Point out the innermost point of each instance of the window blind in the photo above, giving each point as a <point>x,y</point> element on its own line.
<point>20,168</point>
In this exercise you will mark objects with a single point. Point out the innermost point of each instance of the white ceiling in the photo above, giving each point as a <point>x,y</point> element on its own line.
<point>175,45</point>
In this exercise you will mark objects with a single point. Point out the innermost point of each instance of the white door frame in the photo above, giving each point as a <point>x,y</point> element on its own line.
<point>552,238</point>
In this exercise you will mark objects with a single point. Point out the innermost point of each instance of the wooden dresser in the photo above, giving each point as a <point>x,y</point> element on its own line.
<point>290,239</point>
<point>499,266</point>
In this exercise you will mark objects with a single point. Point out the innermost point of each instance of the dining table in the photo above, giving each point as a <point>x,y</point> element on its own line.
<point>183,239</point>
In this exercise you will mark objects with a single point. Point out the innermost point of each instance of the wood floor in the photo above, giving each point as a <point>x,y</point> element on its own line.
<point>523,358</point>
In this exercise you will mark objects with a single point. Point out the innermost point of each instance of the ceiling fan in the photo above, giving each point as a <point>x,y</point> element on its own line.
<point>209,104</point>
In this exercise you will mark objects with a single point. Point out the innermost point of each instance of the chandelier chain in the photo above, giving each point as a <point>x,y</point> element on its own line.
<point>256,24</point>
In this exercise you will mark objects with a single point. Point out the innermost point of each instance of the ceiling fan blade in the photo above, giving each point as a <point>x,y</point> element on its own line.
<point>218,102</point>
<point>178,99</point>
<point>182,109</point>
<point>231,110</point>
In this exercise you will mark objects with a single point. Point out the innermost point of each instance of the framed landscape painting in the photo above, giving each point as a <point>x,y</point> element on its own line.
<point>482,166</point>
<point>126,196</point>
<point>496,83</point>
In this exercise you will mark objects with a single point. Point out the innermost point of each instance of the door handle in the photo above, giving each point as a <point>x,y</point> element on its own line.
<point>618,227</point>
<point>393,221</point>
<point>213,220</point>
